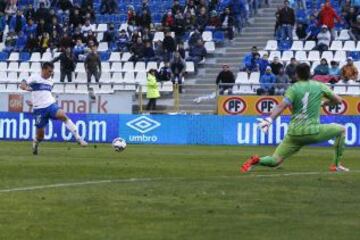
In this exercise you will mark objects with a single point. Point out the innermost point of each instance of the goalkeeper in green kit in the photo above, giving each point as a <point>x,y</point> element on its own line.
<point>305,98</point>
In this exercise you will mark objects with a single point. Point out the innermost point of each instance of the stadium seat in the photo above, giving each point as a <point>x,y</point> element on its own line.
<point>242,77</point>
<point>344,35</point>
<point>103,47</point>
<point>105,67</point>
<point>12,77</point>
<point>219,37</point>
<point>271,45</point>
<point>56,77</point>
<point>105,88</point>
<point>104,56</point>
<point>301,56</point>
<point>151,65</point>
<point>116,67</point>
<point>3,66</point>
<point>47,56</point>
<point>128,67</point>
<point>3,76</point>
<point>13,67</point>
<point>129,77</point>
<point>247,89</point>
<point>57,66</point>
<point>210,47</point>
<point>262,52</point>
<point>35,57</point>
<point>141,78</point>
<point>349,46</point>
<point>284,45</point>
<point>207,36</point>
<point>80,68</point>
<point>24,56</point>
<point>190,67</point>
<point>297,45</point>
<point>125,56</point>
<point>3,56</point>
<point>105,77</point>
<point>82,88</point>
<point>23,76</point>
<point>340,56</point>
<point>254,77</point>
<point>328,55</point>
<point>123,26</point>
<point>117,77</point>
<point>81,77</point>
<point>101,27</point>
<point>115,57</point>
<point>287,55</point>
<point>99,36</point>
<point>314,65</point>
<point>158,36</point>
<point>58,88</point>
<point>309,45</point>
<point>314,56</point>
<point>140,67</point>
<point>336,45</point>
<point>35,67</point>
<point>274,54</point>
<point>14,56</point>
<point>70,88</point>
<point>25,67</point>
<point>166,86</point>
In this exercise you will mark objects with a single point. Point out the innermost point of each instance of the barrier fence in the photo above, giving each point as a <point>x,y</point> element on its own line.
<point>166,129</point>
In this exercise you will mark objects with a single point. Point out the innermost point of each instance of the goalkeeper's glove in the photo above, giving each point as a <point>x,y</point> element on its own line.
<point>264,123</point>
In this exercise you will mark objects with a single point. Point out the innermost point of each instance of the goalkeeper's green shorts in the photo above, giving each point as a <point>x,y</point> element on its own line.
<point>291,144</point>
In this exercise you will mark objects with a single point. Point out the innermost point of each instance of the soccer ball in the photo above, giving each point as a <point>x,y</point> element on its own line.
<point>119,144</point>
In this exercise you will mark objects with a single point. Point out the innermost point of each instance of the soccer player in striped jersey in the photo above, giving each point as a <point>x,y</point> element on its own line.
<point>44,105</point>
<point>305,97</point>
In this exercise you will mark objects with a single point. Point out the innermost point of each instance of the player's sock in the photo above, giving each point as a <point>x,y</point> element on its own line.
<point>339,149</point>
<point>72,128</point>
<point>268,161</point>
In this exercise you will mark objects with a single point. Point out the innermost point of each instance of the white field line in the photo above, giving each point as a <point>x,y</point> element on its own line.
<point>139,180</point>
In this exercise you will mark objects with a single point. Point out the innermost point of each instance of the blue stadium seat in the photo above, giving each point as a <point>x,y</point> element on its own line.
<point>24,56</point>
<point>4,56</point>
<point>355,55</point>
<point>104,56</point>
<point>219,37</point>
<point>284,45</point>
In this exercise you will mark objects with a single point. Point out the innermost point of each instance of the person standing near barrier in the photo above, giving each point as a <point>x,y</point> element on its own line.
<point>226,76</point>
<point>286,21</point>
<point>152,90</point>
<point>67,64</point>
<point>93,65</point>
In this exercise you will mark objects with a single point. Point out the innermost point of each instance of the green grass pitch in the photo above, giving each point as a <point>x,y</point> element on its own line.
<point>174,192</point>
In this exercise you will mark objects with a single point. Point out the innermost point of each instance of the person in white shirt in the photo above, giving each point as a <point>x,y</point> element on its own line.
<point>323,39</point>
<point>45,106</point>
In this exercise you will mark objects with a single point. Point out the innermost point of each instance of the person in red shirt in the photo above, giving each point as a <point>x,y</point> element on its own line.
<point>327,16</point>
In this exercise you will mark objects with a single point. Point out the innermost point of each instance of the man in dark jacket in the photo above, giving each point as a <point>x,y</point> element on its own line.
<point>286,21</point>
<point>164,73</point>
<point>197,53</point>
<point>226,77</point>
<point>227,23</point>
<point>93,65</point>
<point>67,64</point>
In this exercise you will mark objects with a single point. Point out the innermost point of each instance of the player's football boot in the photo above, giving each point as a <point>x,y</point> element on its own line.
<point>35,147</point>
<point>253,160</point>
<point>339,168</point>
<point>82,143</point>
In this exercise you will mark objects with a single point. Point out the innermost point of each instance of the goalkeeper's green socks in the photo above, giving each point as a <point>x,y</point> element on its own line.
<point>268,161</point>
<point>339,148</point>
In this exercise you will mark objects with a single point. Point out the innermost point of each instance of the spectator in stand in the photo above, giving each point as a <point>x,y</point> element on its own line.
<point>179,26</point>
<point>17,23</point>
<point>327,16</point>
<point>10,42</point>
<point>123,41</point>
<point>168,20</point>
<point>323,39</point>
<point>91,37</point>
<point>32,43</point>
<point>286,21</point>
<point>29,12</point>
<point>144,20</point>
<point>264,63</point>
<point>45,42</point>
<point>276,65</point>
<point>79,50</point>
<point>42,12</point>
<point>37,3</point>
<point>111,36</point>
<point>249,57</point>
<point>55,26</point>
<point>67,64</point>
<point>191,8</point>
<point>214,21</point>
<point>189,21</point>
<point>227,23</point>
<point>149,54</point>
<point>355,29</point>
<point>20,42</point>
<point>321,71</point>
<point>202,19</point>
<point>108,7</point>
<point>164,73</point>
<point>2,25</point>
<point>54,41</point>
<point>30,27</point>
<point>349,71</point>
<point>87,3</point>
<point>169,45</point>
<point>145,6</point>
<point>240,13</point>
<point>65,5</point>
<point>282,82</point>
<point>301,31</point>
<point>350,16</point>
<point>131,19</point>
<point>277,30</point>
<point>146,35</point>
<point>92,65</point>
<point>177,7</point>
<point>290,69</point>
<point>75,19</point>
<point>267,83</point>
<point>195,36</point>
<point>313,29</point>
<point>152,90</point>
<point>3,4</point>
<point>197,53</point>
<point>159,51</point>
<point>225,80</point>
<point>41,28</point>
<point>254,64</point>
<point>87,27</point>
<point>11,9</point>
<point>137,50</point>
<point>178,68</point>
<point>181,49</point>
<point>334,72</point>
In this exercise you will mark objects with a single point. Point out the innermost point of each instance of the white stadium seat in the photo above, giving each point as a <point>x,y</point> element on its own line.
<point>115,57</point>
<point>328,55</point>
<point>151,65</point>
<point>254,77</point>
<point>309,45</point>
<point>3,66</point>
<point>14,56</point>
<point>141,78</point>
<point>35,57</point>
<point>103,47</point>
<point>297,45</point>
<point>80,68</point>
<point>105,67</point>
<point>271,45</point>
<point>35,67</point>
<point>301,56</point>
<point>158,36</point>
<point>287,55</point>
<point>242,77</point>
<point>207,36</point>
<point>140,67</point>
<point>129,77</point>
<point>23,76</point>
<point>116,67</point>
<point>336,45</point>
<point>344,35</point>
<point>339,89</point>
<point>13,67</point>
<point>190,67</point>
<point>128,67</point>
<point>58,88</point>
<point>274,54</point>
<point>314,65</point>
<point>340,56</point>
<point>12,77</point>
<point>99,36</point>
<point>349,46</point>
<point>314,56</point>
<point>3,76</point>
<point>210,47</point>
<point>262,52</point>
<point>117,77</point>
<point>81,77</point>
<point>70,88</point>
<point>105,77</point>
<point>24,66</point>
<point>46,57</point>
<point>125,56</point>
<point>101,27</point>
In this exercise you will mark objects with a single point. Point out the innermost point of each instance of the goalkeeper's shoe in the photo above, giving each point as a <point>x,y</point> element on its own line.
<point>338,168</point>
<point>253,160</point>
<point>35,147</point>
<point>82,142</point>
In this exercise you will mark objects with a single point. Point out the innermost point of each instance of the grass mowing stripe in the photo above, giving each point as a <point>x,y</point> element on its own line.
<point>137,180</point>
